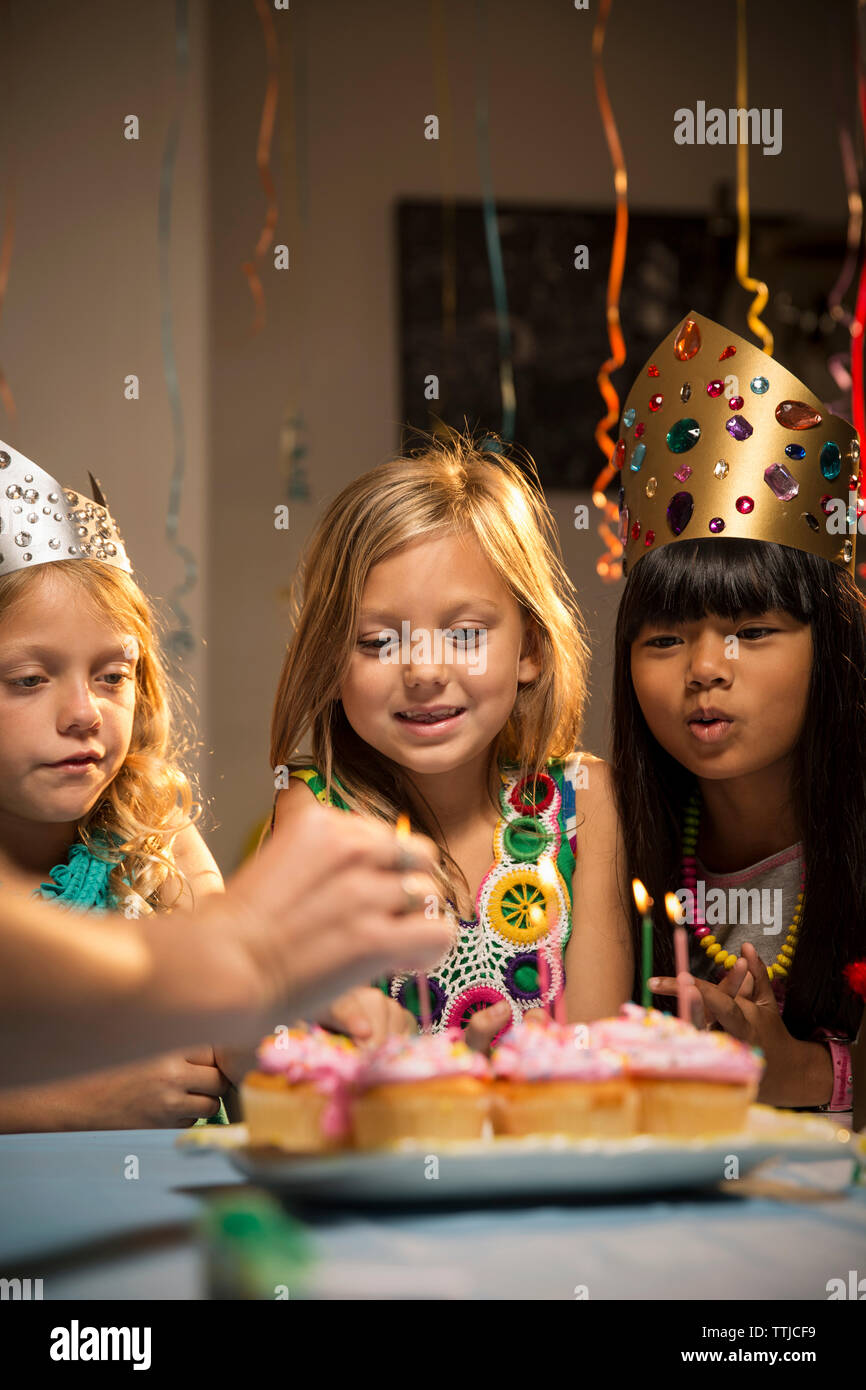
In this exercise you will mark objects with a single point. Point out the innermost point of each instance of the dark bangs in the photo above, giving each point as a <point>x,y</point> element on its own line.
<point>729,578</point>
<point>681,583</point>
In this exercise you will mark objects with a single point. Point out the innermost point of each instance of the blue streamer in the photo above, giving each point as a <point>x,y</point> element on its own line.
<point>181,640</point>
<point>491,232</point>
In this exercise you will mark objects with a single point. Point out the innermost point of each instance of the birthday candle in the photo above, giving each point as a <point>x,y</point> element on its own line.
<point>547,874</point>
<point>674,909</point>
<point>423,987</point>
<point>644,902</point>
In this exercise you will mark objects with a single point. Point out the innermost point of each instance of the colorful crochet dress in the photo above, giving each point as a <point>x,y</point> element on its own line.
<point>518,907</point>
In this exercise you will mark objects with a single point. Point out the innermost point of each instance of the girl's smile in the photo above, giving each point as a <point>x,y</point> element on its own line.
<point>430,704</point>
<point>430,721</point>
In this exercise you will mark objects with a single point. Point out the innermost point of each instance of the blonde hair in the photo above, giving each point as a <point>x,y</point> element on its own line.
<point>446,486</point>
<point>150,799</point>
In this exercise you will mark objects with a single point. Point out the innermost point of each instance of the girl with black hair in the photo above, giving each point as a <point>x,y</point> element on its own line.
<point>739,722</point>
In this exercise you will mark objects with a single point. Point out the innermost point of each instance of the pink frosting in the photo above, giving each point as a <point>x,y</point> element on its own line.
<point>318,1058</point>
<point>654,1044</point>
<point>422,1058</point>
<point>556,1052</point>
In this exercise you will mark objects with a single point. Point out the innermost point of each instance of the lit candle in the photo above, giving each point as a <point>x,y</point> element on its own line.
<point>547,874</point>
<point>675,911</point>
<point>644,902</point>
<point>403,831</point>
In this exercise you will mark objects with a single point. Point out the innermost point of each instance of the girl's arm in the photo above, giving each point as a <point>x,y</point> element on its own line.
<point>138,1096</point>
<point>194,859</point>
<point>598,957</point>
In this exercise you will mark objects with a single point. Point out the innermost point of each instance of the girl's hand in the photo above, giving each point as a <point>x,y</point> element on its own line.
<point>168,1092</point>
<point>368,1016</point>
<point>795,1073</point>
<point>485,1025</point>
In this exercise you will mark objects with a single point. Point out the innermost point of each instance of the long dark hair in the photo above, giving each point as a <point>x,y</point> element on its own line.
<point>681,583</point>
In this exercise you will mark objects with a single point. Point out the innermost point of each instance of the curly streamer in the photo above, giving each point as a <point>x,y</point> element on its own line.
<point>756,287</point>
<point>608,566</point>
<point>293,446</point>
<point>5,261</point>
<point>180,641</point>
<point>494,247</point>
<point>442,88</point>
<point>263,162</point>
<point>859,323</point>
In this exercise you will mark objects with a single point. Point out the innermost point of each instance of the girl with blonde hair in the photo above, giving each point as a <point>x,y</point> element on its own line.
<point>438,669</point>
<point>96,812</point>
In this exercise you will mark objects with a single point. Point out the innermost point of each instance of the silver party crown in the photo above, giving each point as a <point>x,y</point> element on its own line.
<point>41,521</point>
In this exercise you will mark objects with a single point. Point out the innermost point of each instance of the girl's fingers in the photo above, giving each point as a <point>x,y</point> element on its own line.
<point>662,984</point>
<point>485,1024</point>
<point>723,1009</point>
<point>763,987</point>
<point>200,1107</point>
<point>735,978</point>
<point>204,1081</point>
<point>538,1018</point>
<point>716,1002</point>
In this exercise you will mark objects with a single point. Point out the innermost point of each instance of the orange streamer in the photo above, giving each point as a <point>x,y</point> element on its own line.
<point>5,261</point>
<point>442,88</point>
<point>263,162</point>
<point>756,287</point>
<point>608,566</point>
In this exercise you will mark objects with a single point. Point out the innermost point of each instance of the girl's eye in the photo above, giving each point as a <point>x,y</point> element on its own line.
<point>24,682</point>
<point>663,643</point>
<point>753,634</point>
<point>374,644</point>
<point>116,678</point>
<point>464,636</point>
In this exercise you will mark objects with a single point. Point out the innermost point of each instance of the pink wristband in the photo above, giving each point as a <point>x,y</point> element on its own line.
<point>843,1076</point>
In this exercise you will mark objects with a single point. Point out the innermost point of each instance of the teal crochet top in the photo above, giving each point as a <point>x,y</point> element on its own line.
<point>81,884</point>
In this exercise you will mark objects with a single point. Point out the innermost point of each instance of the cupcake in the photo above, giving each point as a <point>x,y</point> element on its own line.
<point>298,1097</point>
<point>428,1089</point>
<point>548,1081</point>
<point>689,1082</point>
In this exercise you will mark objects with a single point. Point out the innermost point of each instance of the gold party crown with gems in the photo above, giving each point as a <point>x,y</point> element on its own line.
<point>718,440</point>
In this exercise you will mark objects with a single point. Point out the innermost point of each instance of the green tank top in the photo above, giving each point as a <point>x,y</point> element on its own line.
<point>517,909</point>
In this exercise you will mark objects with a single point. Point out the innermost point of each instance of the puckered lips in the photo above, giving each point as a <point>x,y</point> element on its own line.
<point>709,723</point>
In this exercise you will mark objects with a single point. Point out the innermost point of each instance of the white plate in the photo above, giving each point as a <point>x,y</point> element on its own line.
<point>543,1167</point>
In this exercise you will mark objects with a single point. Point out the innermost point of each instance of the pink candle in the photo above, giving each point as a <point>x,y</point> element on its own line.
<point>424,1008</point>
<point>547,874</point>
<point>685,988</point>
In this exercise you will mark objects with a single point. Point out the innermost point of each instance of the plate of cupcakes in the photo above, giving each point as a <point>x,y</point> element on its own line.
<point>643,1102</point>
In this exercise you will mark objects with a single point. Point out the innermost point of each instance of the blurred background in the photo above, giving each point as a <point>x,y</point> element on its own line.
<point>149,249</point>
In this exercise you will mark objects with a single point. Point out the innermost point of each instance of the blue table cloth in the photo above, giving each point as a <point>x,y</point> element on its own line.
<point>73,1213</point>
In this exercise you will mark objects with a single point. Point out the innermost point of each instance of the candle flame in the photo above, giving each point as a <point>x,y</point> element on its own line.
<point>546,871</point>
<point>642,899</point>
<point>675,910</point>
<point>404,826</point>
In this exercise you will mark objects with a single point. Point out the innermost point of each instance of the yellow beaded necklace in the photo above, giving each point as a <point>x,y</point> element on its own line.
<point>782,964</point>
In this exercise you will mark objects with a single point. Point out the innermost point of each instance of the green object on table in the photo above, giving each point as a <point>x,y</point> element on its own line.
<point>647,941</point>
<point>253,1249</point>
<point>220,1118</point>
